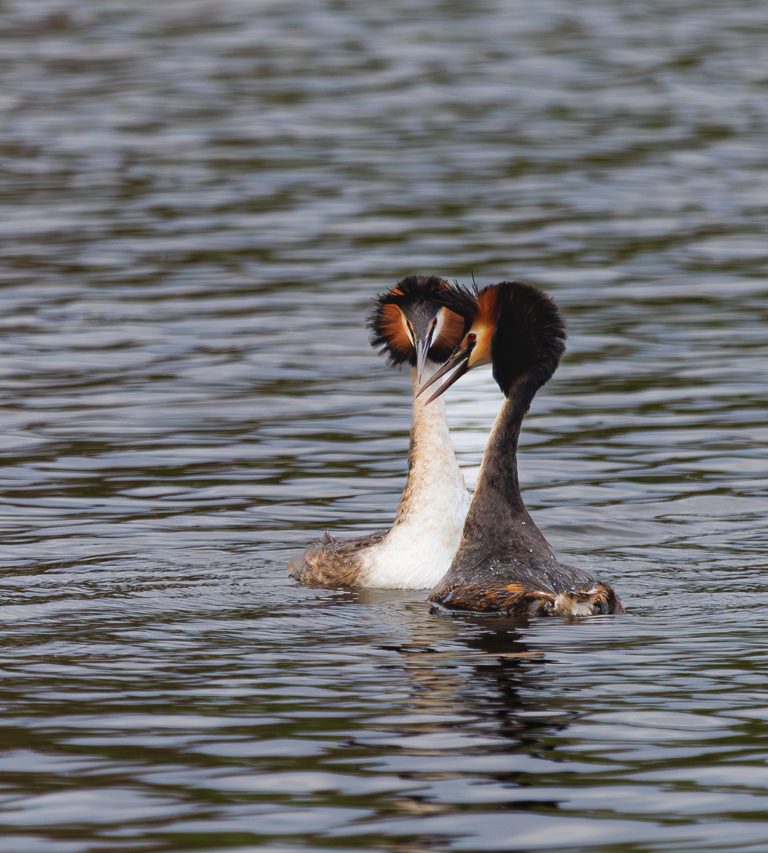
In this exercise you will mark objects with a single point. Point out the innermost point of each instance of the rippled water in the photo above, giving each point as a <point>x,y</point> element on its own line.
<point>198,201</point>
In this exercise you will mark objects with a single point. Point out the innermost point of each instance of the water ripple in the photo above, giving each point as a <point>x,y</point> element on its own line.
<point>199,202</point>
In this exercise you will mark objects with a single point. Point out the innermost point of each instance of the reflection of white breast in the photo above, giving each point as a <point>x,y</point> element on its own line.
<point>419,549</point>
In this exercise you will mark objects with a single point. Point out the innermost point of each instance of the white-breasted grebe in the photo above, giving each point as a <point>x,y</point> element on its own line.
<point>410,326</point>
<point>504,564</point>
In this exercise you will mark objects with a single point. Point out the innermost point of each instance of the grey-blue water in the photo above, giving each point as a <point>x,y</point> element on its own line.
<point>198,200</point>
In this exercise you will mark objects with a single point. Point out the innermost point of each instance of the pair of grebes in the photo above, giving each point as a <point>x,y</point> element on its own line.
<point>485,554</point>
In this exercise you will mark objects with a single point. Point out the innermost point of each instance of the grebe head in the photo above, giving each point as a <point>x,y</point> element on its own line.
<point>518,330</point>
<point>421,317</point>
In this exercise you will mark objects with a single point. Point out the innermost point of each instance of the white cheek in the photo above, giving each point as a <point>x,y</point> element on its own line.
<point>482,351</point>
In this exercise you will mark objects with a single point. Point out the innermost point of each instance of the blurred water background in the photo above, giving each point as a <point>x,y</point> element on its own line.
<point>198,201</point>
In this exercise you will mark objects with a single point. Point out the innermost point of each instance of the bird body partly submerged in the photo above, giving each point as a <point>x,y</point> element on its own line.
<point>504,564</point>
<point>409,326</point>
<point>417,551</point>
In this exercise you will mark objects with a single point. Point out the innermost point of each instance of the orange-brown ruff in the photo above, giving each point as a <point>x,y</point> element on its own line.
<point>390,325</point>
<point>504,565</point>
<point>418,549</point>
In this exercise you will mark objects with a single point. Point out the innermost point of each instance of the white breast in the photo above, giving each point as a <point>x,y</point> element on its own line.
<point>415,556</point>
<point>420,548</point>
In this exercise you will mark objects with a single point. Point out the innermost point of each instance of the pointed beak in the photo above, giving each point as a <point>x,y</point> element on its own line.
<point>422,351</point>
<point>458,361</point>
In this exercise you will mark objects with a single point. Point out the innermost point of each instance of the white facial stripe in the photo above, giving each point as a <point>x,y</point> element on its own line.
<point>408,330</point>
<point>439,325</point>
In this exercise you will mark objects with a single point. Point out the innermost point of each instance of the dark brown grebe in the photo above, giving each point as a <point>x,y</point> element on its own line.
<point>409,325</point>
<point>504,564</point>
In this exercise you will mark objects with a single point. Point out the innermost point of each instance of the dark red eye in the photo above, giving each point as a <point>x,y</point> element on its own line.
<point>471,338</point>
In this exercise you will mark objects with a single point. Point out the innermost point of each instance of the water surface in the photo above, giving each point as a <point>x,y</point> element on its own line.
<point>198,202</point>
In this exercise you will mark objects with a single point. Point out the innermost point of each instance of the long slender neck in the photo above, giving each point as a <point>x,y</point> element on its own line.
<point>435,485</point>
<point>497,513</point>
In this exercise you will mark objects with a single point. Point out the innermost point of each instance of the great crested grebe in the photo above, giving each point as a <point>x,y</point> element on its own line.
<point>410,325</point>
<point>504,564</point>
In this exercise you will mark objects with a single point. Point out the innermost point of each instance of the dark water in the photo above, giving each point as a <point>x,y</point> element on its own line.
<point>198,200</point>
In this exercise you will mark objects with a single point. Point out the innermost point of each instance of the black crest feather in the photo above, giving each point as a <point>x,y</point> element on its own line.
<point>530,336</point>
